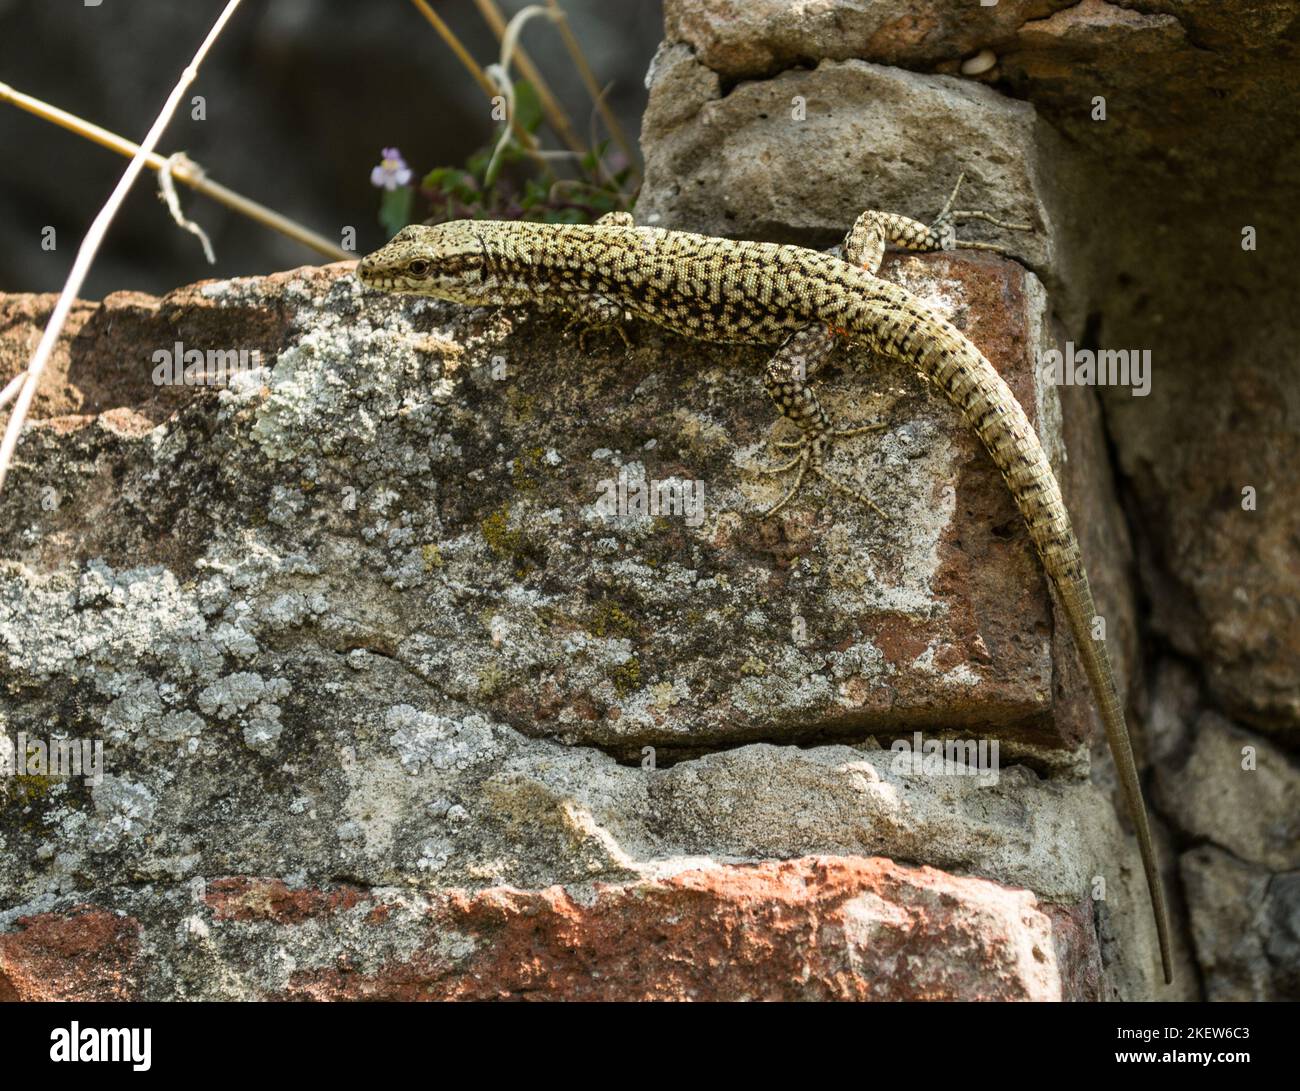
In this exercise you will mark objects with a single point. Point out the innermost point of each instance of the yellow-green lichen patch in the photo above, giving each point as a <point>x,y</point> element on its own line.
<point>626,676</point>
<point>28,791</point>
<point>524,467</point>
<point>496,531</point>
<point>492,680</point>
<point>522,406</point>
<point>432,556</point>
<point>608,619</point>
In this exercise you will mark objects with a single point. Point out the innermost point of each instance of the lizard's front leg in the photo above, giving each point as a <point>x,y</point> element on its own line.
<point>591,312</point>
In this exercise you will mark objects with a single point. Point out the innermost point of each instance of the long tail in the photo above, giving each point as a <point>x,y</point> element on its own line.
<point>959,369</point>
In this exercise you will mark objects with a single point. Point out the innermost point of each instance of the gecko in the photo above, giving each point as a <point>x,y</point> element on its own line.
<point>801,303</point>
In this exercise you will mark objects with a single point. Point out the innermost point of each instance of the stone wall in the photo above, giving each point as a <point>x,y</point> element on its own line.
<point>395,707</point>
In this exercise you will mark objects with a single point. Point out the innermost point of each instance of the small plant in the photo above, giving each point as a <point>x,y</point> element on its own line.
<point>503,183</point>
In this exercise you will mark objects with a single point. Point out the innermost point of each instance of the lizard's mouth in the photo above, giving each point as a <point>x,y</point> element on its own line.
<point>370,276</point>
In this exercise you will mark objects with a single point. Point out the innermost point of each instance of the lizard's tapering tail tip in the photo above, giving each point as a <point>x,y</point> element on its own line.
<point>1096,662</point>
<point>1117,735</point>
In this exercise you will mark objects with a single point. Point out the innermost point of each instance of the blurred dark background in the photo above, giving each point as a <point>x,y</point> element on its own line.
<point>301,95</point>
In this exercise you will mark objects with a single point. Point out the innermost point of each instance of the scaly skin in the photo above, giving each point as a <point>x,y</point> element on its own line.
<point>762,293</point>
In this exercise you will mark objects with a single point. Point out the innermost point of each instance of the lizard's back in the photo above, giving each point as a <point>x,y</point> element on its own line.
<point>736,292</point>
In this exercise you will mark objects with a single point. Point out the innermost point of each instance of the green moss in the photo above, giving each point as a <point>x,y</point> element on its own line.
<point>524,467</point>
<point>34,786</point>
<point>24,791</point>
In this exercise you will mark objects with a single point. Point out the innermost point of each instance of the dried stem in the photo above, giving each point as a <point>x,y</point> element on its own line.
<point>556,118</point>
<point>589,80</point>
<point>91,243</point>
<point>188,173</point>
<point>522,136</point>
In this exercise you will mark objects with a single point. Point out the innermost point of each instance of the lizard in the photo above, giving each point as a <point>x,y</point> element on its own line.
<point>803,302</point>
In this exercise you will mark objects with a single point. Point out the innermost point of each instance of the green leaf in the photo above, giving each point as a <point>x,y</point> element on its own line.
<point>528,107</point>
<point>395,209</point>
<point>453,182</point>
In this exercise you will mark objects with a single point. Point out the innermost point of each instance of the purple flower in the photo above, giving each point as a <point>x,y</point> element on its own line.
<point>392,170</point>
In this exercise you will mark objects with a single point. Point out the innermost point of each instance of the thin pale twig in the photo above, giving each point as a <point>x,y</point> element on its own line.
<point>556,118</point>
<point>90,244</point>
<point>10,392</point>
<point>188,173</point>
<point>589,80</point>
<point>524,138</point>
<point>454,44</point>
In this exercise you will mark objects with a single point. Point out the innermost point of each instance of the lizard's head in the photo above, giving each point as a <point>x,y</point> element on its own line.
<point>448,261</point>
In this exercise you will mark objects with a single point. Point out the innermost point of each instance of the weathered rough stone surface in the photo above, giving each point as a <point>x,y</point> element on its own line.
<point>748,39</point>
<point>1245,926</point>
<point>819,928</point>
<point>1239,791</point>
<point>517,595</point>
<point>797,157</point>
<point>354,617</point>
<point>1236,798</point>
<point>1200,143</point>
<point>1155,144</point>
<point>824,928</point>
<point>84,953</point>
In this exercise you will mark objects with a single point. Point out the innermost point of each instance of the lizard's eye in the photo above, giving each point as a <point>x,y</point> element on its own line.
<point>418,268</point>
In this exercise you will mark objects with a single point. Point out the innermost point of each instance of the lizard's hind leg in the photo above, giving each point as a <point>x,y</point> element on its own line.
<point>787,379</point>
<point>942,225</point>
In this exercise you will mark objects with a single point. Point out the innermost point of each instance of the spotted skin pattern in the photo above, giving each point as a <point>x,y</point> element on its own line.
<point>801,302</point>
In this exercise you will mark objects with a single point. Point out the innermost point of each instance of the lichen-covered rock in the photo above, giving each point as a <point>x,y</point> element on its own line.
<point>572,546</point>
<point>371,611</point>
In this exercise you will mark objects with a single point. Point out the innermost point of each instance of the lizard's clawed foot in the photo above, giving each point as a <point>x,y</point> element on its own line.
<point>949,216</point>
<point>836,433</point>
<point>811,450</point>
<point>588,329</point>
